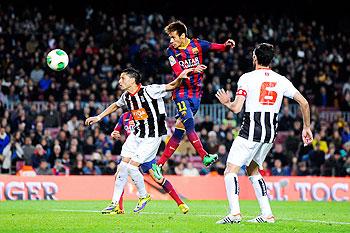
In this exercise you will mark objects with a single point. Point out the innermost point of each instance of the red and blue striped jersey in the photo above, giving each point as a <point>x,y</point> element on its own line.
<point>190,56</point>
<point>126,123</point>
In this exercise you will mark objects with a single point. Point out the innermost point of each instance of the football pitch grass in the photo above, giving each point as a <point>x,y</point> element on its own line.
<point>164,216</point>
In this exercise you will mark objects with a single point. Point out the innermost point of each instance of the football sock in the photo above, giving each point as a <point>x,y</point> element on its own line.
<point>232,191</point>
<point>137,178</point>
<point>167,186</point>
<point>121,201</point>
<point>261,194</point>
<point>120,182</point>
<point>171,146</point>
<point>193,137</point>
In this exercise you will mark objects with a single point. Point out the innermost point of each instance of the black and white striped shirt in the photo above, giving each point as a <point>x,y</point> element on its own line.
<point>148,110</point>
<point>259,126</point>
<point>264,90</point>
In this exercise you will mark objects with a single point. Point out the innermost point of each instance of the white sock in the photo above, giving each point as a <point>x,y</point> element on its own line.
<point>137,178</point>
<point>232,191</point>
<point>120,182</point>
<point>261,194</point>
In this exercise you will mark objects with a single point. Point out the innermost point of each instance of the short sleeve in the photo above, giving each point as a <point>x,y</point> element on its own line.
<point>121,102</point>
<point>289,89</point>
<point>242,86</point>
<point>156,91</point>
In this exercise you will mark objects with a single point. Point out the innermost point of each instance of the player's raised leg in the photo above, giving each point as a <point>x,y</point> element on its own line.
<point>261,194</point>
<point>192,136</point>
<point>172,144</point>
<point>166,185</point>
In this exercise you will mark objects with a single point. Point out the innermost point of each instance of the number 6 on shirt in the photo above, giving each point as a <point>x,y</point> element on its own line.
<point>267,96</point>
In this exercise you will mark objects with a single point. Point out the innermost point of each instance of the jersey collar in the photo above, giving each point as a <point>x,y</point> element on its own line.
<point>137,90</point>
<point>264,68</point>
<point>187,43</point>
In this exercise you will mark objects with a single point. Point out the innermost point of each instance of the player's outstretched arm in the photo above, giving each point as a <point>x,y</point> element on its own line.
<point>224,98</point>
<point>229,44</point>
<point>92,120</point>
<point>183,75</point>
<point>305,110</point>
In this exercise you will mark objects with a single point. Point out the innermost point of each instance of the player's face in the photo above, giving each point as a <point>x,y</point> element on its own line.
<point>125,82</point>
<point>175,39</point>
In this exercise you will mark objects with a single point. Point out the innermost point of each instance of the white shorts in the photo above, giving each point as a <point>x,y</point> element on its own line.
<point>243,151</point>
<point>140,150</point>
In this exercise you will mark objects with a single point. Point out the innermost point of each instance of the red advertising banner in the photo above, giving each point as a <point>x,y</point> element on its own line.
<point>193,188</point>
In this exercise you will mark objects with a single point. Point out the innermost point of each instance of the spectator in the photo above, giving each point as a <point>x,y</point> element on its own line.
<point>302,169</point>
<point>334,166</point>
<point>38,156</point>
<point>347,166</point>
<point>89,146</point>
<point>212,142</point>
<point>37,74</point>
<point>51,117</point>
<point>278,170</point>
<point>44,168</point>
<point>286,119</point>
<point>91,169</point>
<point>190,170</point>
<point>28,151</point>
<point>73,124</point>
<point>111,168</point>
<point>179,169</point>
<point>316,159</point>
<point>11,153</point>
<point>59,169</point>
<point>4,141</point>
<point>221,163</point>
<point>206,124</point>
<point>78,168</point>
<point>57,154</point>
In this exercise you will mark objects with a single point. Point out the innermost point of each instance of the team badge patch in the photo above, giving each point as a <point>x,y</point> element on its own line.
<point>172,60</point>
<point>195,50</point>
<point>139,114</point>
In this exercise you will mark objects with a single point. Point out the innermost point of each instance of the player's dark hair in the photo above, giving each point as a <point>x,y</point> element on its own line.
<point>133,73</point>
<point>178,26</point>
<point>264,52</point>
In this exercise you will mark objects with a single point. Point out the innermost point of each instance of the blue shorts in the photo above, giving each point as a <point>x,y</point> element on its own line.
<point>187,108</point>
<point>145,167</point>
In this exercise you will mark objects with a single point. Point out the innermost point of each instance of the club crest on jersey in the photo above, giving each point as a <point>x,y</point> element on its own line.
<point>139,114</point>
<point>195,50</point>
<point>183,113</point>
<point>142,99</point>
<point>188,63</point>
<point>172,60</point>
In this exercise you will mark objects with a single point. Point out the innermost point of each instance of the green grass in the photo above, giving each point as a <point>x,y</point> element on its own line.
<point>164,216</point>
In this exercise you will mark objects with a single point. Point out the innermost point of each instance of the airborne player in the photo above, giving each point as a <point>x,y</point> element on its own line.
<point>186,53</point>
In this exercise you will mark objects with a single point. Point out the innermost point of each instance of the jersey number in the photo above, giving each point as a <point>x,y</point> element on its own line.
<point>267,96</point>
<point>181,106</point>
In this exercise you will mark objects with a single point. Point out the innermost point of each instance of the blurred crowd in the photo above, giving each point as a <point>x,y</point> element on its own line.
<point>53,140</point>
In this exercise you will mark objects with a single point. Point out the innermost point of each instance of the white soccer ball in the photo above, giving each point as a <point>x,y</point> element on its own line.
<point>57,59</point>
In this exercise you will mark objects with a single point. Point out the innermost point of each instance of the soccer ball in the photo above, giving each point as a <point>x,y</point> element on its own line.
<point>57,59</point>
